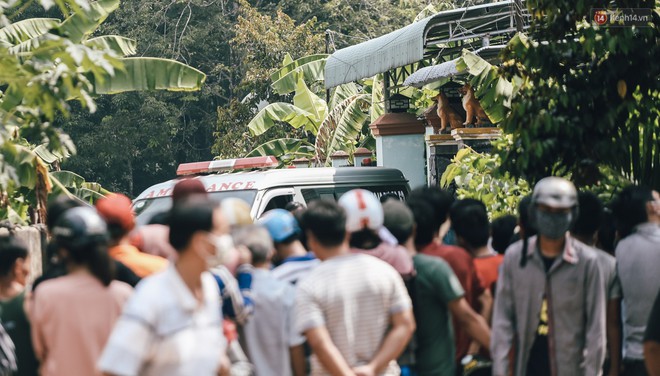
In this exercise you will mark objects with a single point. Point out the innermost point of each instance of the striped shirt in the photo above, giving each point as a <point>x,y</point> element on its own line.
<point>236,292</point>
<point>164,330</point>
<point>354,297</point>
<point>295,268</point>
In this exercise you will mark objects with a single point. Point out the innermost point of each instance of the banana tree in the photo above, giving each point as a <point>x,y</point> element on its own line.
<point>338,124</point>
<point>334,126</point>
<point>44,64</point>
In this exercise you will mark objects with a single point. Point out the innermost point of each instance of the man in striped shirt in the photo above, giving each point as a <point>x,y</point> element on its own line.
<point>353,308</point>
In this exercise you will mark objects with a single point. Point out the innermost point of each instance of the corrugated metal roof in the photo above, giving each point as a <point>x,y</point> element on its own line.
<point>447,69</point>
<point>409,44</point>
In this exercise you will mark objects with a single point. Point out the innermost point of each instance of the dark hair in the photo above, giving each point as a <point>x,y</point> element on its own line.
<point>56,208</point>
<point>524,208</point>
<point>501,231</point>
<point>189,216</point>
<point>607,233</point>
<point>398,219</point>
<point>388,196</point>
<point>293,206</point>
<point>589,216</point>
<point>423,214</point>
<point>11,249</point>
<point>97,259</point>
<point>523,215</point>
<point>629,208</point>
<point>326,220</point>
<point>469,218</point>
<point>160,218</point>
<point>365,239</point>
<point>440,201</point>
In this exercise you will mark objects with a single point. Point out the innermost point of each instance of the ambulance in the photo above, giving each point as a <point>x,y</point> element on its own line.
<point>258,183</point>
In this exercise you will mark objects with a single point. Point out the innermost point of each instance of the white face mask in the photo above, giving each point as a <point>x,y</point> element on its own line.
<point>224,244</point>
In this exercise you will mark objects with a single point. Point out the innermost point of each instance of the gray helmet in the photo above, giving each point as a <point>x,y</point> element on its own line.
<point>80,227</point>
<point>555,192</point>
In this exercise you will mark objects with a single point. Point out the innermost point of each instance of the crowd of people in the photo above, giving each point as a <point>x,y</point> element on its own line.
<point>362,286</point>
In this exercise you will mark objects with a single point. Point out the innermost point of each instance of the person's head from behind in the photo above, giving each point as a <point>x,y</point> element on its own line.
<point>258,241</point>
<point>631,207</point>
<point>199,232</point>
<point>116,209</point>
<point>501,231</point>
<point>439,200</point>
<point>606,239</point>
<point>469,218</point>
<point>425,222</point>
<point>325,224</point>
<point>398,219</point>
<point>14,260</point>
<point>364,218</point>
<point>524,222</point>
<point>282,227</point>
<point>81,237</point>
<point>589,218</point>
<point>554,207</point>
<point>187,188</point>
<point>57,207</point>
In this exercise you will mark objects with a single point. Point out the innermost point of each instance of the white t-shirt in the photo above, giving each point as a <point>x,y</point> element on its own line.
<point>163,330</point>
<point>354,297</point>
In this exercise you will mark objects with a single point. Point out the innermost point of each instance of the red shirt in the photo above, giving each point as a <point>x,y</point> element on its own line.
<point>487,269</point>
<point>463,266</point>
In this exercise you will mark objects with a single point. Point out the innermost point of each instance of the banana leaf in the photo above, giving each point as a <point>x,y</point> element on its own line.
<point>306,100</point>
<point>284,149</point>
<point>279,112</point>
<point>341,128</point>
<point>120,45</point>
<point>146,73</point>
<point>341,93</point>
<point>21,31</point>
<point>285,79</point>
<point>82,23</point>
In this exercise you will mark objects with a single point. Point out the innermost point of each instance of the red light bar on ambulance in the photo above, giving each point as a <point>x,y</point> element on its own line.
<point>226,165</point>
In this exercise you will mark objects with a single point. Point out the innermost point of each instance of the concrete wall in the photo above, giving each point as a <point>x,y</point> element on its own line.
<point>405,152</point>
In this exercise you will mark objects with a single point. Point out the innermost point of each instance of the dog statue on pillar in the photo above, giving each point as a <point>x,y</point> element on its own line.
<point>472,107</point>
<point>449,118</point>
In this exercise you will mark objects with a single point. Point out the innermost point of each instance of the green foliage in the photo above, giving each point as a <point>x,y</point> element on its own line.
<point>476,176</point>
<point>588,96</point>
<point>493,91</point>
<point>46,65</point>
<point>333,128</point>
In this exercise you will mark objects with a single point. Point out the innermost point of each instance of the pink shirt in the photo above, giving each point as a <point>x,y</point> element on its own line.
<point>395,255</point>
<point>72,317</point>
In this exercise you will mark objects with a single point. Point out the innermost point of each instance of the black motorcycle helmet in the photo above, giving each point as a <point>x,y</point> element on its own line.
<point>78,229</point>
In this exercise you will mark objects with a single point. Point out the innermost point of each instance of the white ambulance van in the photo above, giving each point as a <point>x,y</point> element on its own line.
<point>264,189</point>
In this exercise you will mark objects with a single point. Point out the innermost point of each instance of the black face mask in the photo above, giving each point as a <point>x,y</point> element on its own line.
<point>553,225</point>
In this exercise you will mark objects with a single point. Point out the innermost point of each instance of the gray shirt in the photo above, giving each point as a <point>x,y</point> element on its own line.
<point>269,334</point>
<point>611,281</point>
<point>638,258</point>
<point>576,310</point>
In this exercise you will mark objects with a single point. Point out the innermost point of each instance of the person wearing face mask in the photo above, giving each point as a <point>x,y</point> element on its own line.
<point>172,324</point>
<point>549,294</point>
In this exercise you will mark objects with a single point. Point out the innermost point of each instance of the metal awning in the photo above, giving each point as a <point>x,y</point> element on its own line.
<point>447,69</point>
<point>426,38</point>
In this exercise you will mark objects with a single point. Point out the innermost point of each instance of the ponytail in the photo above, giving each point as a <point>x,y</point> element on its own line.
<point>94,255</point>
<point>100,264</point>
